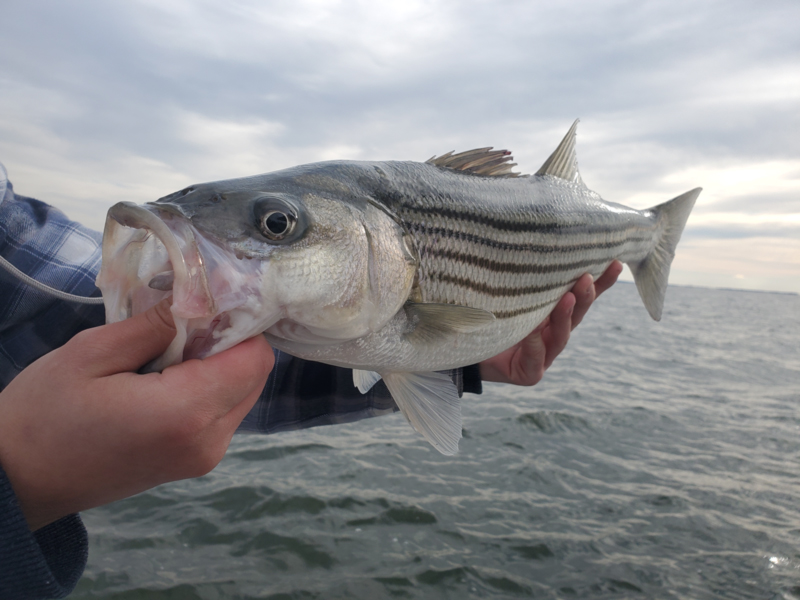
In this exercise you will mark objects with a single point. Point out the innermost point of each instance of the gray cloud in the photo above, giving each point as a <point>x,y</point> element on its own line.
<point>753,204</point>
<point>130,66</point>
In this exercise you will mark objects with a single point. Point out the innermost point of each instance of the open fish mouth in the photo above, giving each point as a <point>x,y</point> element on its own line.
<point>151,253</point>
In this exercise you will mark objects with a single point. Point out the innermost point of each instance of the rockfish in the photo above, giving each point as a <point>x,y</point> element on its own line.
<point>394,269</point>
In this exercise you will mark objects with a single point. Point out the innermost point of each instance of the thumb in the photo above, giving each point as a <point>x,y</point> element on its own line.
<point>129,344</point>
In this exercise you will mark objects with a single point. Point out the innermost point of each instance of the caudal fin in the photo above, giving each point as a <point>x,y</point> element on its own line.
<point>652,273</point>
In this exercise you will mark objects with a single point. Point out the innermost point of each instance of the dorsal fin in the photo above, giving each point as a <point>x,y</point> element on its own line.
<point>563,163</point>
<point>481,161</point>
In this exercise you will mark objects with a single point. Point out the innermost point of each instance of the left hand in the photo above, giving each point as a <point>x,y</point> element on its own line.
<point>525,363</point>
<point>80,427</point>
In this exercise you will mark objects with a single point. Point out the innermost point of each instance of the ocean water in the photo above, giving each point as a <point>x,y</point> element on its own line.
<point>656,460</point>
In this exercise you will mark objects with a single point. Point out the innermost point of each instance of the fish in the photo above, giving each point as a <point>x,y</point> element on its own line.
<point>396,269</point>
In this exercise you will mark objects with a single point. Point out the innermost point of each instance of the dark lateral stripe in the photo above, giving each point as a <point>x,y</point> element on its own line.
<point>508,314</point>
<point>497,291</point>
<point>509,267</point>
<point>541,248</point>
<point>504,224</point>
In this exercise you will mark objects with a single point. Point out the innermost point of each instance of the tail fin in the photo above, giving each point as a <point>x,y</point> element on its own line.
<point>652,273</point>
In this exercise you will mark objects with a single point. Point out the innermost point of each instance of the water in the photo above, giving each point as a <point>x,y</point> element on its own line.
<point>656,460</point>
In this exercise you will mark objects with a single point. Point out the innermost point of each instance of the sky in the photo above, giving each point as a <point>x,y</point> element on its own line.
<point>102,102</point>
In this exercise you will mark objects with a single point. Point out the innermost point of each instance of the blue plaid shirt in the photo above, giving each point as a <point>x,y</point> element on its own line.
<point>42,242</point>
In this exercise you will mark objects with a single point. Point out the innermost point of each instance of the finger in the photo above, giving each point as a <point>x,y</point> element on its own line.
<point>126,345</point>
<point>527,364</point>
<point>541,326</point>
<point>607,279</point>
<point>557,335</point>
<point>584,293</point>
<point>219,384</point>
<point>240,410</point>
<point>236,415</point>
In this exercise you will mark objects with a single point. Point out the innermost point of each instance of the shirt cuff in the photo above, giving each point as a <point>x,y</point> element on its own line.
<point>471,376</point>
<point>46,563</point>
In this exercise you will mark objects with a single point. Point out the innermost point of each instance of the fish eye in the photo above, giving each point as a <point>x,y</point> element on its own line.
<point>279,219</point>
<point>277,225</point>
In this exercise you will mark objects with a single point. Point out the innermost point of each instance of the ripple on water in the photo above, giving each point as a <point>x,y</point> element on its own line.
<point>534,552</point>
<point>182,591</point>
<point>404,515</point>
<point>149,505</point>
<point>201,532</point>
<point>278,452</point>
<point>279,550</point>
<point>247,503</point>
<point>554,422</point>
<point>473,580</point>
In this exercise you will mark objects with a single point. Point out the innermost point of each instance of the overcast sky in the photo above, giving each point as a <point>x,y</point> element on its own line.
<point>109,101</point>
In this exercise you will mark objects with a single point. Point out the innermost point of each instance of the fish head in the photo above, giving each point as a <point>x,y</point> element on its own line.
<point>298,256</point>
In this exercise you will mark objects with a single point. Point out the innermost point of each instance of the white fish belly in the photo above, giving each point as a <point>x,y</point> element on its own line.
<point>389,350</point>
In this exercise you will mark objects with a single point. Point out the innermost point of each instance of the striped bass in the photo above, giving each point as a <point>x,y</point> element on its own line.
<point>394,269</point>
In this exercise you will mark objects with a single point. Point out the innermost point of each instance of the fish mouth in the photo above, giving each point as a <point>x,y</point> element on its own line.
<point>151,253</point>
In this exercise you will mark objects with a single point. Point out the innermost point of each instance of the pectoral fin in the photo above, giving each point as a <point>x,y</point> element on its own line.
<point>432,321</point>
<point>431,404</point>
<point>364,380</point>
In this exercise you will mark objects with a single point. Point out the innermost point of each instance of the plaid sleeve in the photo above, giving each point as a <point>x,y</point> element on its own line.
<point>42,242</point>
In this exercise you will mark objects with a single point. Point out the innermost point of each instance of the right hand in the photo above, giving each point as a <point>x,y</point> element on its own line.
<point>526,362</point>
<point>80,427</point>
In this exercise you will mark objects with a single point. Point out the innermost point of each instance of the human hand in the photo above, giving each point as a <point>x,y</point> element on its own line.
<point>525,363</point>
<point>80,428</point>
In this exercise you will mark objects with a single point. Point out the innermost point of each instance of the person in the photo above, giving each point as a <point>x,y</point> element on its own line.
<point>79,427</point>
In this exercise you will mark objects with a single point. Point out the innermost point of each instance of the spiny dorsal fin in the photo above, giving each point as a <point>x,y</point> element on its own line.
<point>563,163</point>
<point>481,161</point>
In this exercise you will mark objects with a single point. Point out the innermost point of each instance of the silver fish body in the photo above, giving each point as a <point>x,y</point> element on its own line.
<point>511,248</point>
<point>395,269</point>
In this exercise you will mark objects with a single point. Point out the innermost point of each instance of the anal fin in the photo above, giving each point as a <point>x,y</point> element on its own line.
<point>431,404</point>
